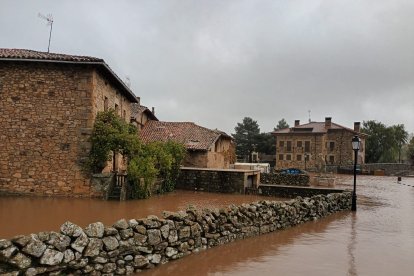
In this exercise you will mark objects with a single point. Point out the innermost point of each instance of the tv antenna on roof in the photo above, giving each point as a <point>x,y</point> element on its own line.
<point>309,112</point>
<point>49,19</point>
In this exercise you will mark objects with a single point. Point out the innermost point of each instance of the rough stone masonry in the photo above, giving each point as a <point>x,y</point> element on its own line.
<point>131,246</point>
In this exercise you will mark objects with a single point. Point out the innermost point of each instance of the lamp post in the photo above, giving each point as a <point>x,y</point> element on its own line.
<point>306,159</point>
<point>356,142</point>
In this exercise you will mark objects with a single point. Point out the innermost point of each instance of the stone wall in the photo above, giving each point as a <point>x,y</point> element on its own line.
<point>292,191</point>
<point>285,179</point>
<point>218,181</point>
<point>388,168</point>
<point>131,246</point>
<point>47,112</point>
<point>45,122</point>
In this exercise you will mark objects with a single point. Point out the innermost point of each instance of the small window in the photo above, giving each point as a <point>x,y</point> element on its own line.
<point>281,144</point>
<point>106,104</point>
<point>299,157</point>
<point>281,157</point>
<point>289,145</point>
<point>331,146</point>
<point>331,159</point>
<point>288,157</point>
<point>116,109</point>
<point>307,146</point>
<point>299,144</point>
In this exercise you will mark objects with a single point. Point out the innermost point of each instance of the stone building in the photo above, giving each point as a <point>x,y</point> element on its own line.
<point>140,114</point>
<point>315,144</point>
<point>48,105</point>
<point>206,148</point>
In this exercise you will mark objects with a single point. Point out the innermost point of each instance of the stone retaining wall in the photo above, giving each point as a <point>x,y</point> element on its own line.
<point>284,179</point>
<point>131,246</point>
<point>293,191</point>
<point>217,180</point>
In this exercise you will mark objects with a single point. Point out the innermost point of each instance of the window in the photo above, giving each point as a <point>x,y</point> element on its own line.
<point>124,115</point>
<point>288,157</point>
<point>289,145</point>
<point>331,146</point>
<point>281,157</point>
<point>299,157</point>
<point>116,109</point>
<point>307,146</point>
<point>281,144</point>
<point>331,159</point>
<point>106,103</point>
<point>299,144</point>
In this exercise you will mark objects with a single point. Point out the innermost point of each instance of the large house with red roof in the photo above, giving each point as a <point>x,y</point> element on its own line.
<point>48,106</point>
<point>316,144</point>
<point>206,148</point>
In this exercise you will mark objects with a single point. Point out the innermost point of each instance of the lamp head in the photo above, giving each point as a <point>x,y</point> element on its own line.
<point>356,142</point>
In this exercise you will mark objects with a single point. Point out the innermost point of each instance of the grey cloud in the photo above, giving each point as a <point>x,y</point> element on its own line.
<point>214,62</point>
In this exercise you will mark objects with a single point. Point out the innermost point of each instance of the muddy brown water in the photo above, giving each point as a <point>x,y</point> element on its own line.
<point>376,240</point>
<point>25,215</point>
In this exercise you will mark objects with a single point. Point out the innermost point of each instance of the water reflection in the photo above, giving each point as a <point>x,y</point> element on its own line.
<point>352,271</point>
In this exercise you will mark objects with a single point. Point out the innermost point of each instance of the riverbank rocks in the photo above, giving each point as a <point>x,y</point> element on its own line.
<point>285,179</point>
<point>131,246</point>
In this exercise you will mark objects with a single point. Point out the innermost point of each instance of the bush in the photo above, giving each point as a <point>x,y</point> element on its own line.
<point>147,161</point>
<point>111,134</point>
<point>156,160</point>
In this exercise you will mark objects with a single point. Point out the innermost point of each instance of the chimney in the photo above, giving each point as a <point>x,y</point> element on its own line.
<point>357,126</point>
<point>297,122</point>
<point>139,101</point>
<point>153,110</point>
<point>328,121</point>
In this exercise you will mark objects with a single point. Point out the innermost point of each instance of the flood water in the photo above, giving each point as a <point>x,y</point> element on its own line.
<point>25,215</point>
<point>376,240</point>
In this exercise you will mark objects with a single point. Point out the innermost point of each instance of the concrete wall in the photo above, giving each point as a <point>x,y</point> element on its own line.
<point>132,246</point>
<point>47,112</point>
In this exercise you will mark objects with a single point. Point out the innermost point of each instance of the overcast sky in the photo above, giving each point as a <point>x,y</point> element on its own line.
<point>215,62</point>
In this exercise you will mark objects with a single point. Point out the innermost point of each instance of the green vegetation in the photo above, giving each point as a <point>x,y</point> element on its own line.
<point>282,124</point>
<point>111,134</point>
<point>156,160</point>
<point>384,144</point>
<point>410,150</point>
<point>248,139</point>
<point>150,162</point>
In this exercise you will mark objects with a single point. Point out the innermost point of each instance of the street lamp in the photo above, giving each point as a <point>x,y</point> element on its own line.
<point>356,142</point>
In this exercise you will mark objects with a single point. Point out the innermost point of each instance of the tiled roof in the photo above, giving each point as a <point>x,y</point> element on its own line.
<point>193,136</point>
<point>36,56</point>
<point>313,127</point>
<point>30,54</point>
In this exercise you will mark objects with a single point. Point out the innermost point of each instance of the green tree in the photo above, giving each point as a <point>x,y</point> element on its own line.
<point>266,143</point>
<point>384,144</point>
<point>410,150</point>
<point>246,137</point>
<point>281,124</point>
<point>400,137</point>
